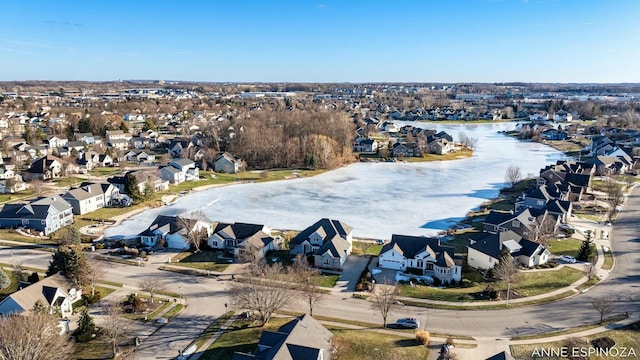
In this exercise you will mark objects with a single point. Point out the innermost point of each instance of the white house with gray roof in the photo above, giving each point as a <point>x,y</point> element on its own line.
<point>328,241</point>
<point>420,255</point>
<point>54,292</point>
<point>90,197</point>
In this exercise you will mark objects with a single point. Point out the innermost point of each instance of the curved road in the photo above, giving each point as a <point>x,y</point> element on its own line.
<point>206,298</point>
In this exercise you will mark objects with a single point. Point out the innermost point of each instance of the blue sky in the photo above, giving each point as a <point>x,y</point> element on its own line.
<point>322,41</point>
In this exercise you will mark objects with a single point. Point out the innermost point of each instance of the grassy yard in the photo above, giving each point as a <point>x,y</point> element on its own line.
<point>529,284</point>
<point>96,349</point>
<point>6,234</point>
<point>366,248</point>
<point>624,338</point>
<point>174,311</point>
<point>13,287</point>
<point>568,247</point>
<point>370,345</point>
<point>353,344</point>
<point>242,336</point>
<point>564,247</point>
<point>608,260</point>
<point>328,280</point>
<point>204,260</point>
<point>157,307</point>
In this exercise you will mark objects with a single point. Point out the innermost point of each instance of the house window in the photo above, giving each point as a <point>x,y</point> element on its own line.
<point>516,223</point>
<point>327,261</point>
<point>420,263</point>
<point>429,266</point>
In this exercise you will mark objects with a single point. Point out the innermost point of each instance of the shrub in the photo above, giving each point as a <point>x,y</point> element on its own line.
<point>465,283</point>
<point>436,281</point>
<point>99,246</point>
<point>422,337</point>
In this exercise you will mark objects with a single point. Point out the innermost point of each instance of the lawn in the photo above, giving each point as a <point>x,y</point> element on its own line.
<point>366,248</point>
<point>96,349</point>
<point>204,260</point>
<point>529,284</point>
<point>564,247</point>
<point>7,234</point>
<point>174,311</point>
<point>328,280</point>
<point>242,336</point>
<point>624,338</point>
<point>353,344</point>
<point>13,287</point>
<point>371,345</point>
<point>608,260</point>
<point>568,247</point>
<point>158,306</point>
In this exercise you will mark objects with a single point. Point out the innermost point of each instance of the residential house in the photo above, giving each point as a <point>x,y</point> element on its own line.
<point>87,138</point>
<point>406,150</point>
<point>328,241</point>
<point>7,171</point>
<point>55,141</point>
<point>553,134</point>
<point>174,230</point>
<point>77,146</point>
<point>486,249</point>
<point>439,146</point>
<point>237,238</point>
<point>365,145</point>
<point>180,170</point>
<point>119,144</point>
<point>112,135</point>
<point>12,186</point>
<point>228,164</point>
<point>180,148</point>
<point>139,142</point>
<point>44,214</point>
<point>390,127</point>
<point>89,197</point>
<point>144,177</point>
<point>523,223</point>
<point>54,292</point>
<point>303,338</point>
<point>610,165</point>
<point>139,157</point>
<point>421,256</point>
<point>46,168</point>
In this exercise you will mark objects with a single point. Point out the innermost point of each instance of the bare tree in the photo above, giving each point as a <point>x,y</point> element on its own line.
<point>252,254</point>
<point>308,280</point>
<point>92,273</point>
<point>34,336</point>
<point>264,295</point>
<point>506,271</point>
<point>467,141</point>
<point>604,306</point>
<point>115,327</point>
<point>384,298</point>
<point>193,227</point>
<point>152,285</point>
<point>513,175</point>
<point>614,197</point>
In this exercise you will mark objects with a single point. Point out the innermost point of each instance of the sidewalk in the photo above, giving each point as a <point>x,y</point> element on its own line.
<point>210,341</point>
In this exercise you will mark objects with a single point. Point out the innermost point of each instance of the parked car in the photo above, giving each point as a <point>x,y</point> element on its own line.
<point>405,323</point>
<point>566,227</point>
<point>568,259</point>
<point>380,242</point>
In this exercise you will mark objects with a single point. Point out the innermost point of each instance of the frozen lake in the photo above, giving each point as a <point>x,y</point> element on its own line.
<point>377,199</point>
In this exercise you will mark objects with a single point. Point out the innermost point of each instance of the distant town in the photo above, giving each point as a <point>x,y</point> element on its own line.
<point>79,158</point>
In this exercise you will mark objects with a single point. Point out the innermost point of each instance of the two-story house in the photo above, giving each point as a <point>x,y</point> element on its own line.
<point>180,170</point>
<point>328,242</point>
<point>44,214</point>
<point>421,256</point>
<point>239,237</point>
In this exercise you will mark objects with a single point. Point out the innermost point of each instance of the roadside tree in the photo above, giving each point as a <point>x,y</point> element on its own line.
<point>513,175</point>
<point>383,299</point>
<point>604,305</point>
<point>33,336</point>
<point>507,272</point>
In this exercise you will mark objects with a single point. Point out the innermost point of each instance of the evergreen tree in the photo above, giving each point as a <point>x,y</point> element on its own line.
<point>71,236</point>
<point>33,278</point>
<point>5,281</point>
<point>71,262</point>
<point>86,327</point>
<point>40,307</point>
<point>585,252</point>
<point>131,187</point>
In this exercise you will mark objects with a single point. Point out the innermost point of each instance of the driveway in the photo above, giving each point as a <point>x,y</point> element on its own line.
<point>353,267</point>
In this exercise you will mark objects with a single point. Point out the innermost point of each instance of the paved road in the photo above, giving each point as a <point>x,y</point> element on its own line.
<point>206,297</point>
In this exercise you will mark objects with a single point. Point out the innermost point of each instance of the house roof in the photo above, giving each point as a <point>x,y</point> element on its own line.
<point>170,224</point>
<point>410,246</point>
<point>300,339</point>
<point>500,356</point>
<point>239,231</point>
<point>182,162</point>
<point>37,209</point>
<point>326,226</point>
<point>43,164</point>
<point>44,290</point>
<point>84,192</point>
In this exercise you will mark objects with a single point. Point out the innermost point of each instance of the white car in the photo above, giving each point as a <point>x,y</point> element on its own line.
<point>568,259</point>
<point>405,323</point>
